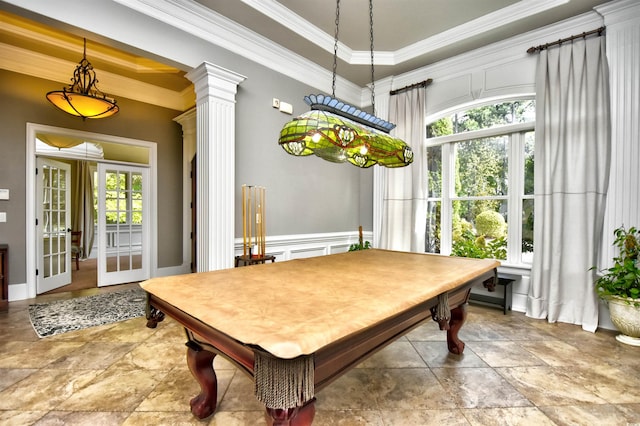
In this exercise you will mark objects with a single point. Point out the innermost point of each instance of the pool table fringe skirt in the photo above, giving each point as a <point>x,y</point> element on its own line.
<point>442,311</point>
<point>283,383</point>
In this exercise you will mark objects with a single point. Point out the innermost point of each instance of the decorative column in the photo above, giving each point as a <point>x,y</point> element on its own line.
<point>189,133</point>
<point>622,19</point>
<point>215,89</point>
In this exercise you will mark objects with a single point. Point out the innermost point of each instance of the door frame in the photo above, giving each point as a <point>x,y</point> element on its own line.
<point>30,179</point>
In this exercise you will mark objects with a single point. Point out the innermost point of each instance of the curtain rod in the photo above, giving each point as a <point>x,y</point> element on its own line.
<point>535,49</point>
<point>424,83</point>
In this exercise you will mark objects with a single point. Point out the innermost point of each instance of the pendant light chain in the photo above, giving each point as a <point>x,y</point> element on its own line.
<point>373,86</point>
<point>335,50</point>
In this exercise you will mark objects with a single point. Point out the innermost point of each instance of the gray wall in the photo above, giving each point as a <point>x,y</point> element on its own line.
<point>305,195</point>
<point>23,101</point>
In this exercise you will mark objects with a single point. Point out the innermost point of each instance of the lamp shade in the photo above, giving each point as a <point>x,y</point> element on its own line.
<point>82,97</point>
<point>83,105</point>
<point>338,139</point>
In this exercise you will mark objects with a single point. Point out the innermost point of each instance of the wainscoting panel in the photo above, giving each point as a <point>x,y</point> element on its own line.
<point>287,247</point>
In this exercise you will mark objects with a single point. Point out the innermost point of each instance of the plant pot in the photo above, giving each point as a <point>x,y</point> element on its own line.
<point>625,315</point>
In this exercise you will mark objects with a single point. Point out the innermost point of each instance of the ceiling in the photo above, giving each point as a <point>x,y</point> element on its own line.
<point>408,34</point>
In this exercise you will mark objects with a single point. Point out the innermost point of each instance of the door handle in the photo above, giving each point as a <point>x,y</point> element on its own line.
<point>68,229</point>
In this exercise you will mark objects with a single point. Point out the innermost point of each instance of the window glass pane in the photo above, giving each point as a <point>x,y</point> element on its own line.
<point>478,180</point>
<point>529,142</point>
<point>481,167</point>
<point>433,227</point>
<point>434,167</point>
<point>485,117</point>
<point>479,229</point>
<point>527,230</point>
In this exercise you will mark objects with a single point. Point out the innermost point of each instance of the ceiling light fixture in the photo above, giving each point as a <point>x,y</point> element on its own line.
<point>338,132</point>
<point>82,97</point>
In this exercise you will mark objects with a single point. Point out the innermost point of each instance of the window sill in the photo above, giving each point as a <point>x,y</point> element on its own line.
<point>515,269</point>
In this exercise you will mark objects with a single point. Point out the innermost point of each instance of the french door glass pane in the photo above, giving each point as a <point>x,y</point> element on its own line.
<point>53,226</point>
<point>123,210</point>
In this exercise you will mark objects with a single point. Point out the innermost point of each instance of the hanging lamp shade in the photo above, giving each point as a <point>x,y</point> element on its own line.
<point>337,132</point>
<point>82,97</point>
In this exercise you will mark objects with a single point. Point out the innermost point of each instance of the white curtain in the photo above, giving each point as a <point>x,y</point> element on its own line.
<point>82,206</point>
<point>404,203</point>
<point>572,161</point>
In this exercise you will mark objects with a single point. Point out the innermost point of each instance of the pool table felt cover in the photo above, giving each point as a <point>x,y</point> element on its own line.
<point>296,307</point>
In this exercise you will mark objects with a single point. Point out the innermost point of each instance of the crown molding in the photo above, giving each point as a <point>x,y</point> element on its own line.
<point>497,19</point>
<point>50,68</point>
<point>214,28</point>
<point>306,29</point>
<point>503,51</point>
<point>621,11</point>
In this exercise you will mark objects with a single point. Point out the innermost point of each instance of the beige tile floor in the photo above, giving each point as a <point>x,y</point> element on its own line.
<point>514,371</point>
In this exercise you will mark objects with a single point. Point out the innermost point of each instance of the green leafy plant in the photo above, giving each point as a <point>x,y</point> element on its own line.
<point>623,278</point>
<point>491,224</point>
<point>470,245</point>
<point>360,246</point>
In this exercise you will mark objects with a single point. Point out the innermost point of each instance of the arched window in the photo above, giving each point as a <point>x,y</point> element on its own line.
<point>480,180</point>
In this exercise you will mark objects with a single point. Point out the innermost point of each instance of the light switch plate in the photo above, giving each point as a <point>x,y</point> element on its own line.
<point>3,216</point>
<point>4,194</point>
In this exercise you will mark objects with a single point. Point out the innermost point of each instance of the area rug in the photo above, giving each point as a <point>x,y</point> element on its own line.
<point>62,316</point>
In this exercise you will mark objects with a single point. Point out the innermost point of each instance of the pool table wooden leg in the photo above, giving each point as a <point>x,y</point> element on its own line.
<point>200,364</point>
<point>298,416</point>
<point>458,317</point>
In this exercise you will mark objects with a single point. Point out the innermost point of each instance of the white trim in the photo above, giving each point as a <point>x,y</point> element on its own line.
<point>30,214</point>
<point>287,247</point>
<point>214,28</point>
<point>187,121</point>
<point>517,11</point>
<point>482,133</point>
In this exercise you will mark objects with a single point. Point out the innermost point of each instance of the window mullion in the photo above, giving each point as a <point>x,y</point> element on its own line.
<point>446,225</point>
<point>516,189</point>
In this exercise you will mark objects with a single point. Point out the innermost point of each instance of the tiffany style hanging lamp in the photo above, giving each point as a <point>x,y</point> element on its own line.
<point>338,132</point>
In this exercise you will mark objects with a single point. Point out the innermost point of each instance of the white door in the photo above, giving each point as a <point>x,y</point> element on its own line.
<point>53,197</point>
<point>123,224</point>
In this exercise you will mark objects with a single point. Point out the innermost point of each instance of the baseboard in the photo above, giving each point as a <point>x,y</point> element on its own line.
<point>18,292</point>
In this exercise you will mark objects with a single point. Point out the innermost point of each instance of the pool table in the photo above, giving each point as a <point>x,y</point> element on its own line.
<point>295,326</point>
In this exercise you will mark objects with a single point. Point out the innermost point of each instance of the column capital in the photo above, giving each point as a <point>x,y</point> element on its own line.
<point>212,80</point>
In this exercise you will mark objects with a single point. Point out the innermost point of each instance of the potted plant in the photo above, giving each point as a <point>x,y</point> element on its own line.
<point>360,245</point>
<point>619,286</point>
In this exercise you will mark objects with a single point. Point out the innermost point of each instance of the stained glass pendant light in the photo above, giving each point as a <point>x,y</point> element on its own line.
<point>82,97</point>
<point>338,132</point>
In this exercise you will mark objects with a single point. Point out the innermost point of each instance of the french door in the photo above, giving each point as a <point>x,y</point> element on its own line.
<point>123,224</point>
<point>53,197</point>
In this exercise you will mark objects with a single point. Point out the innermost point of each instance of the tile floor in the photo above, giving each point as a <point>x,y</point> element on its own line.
<point>514,371</point>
